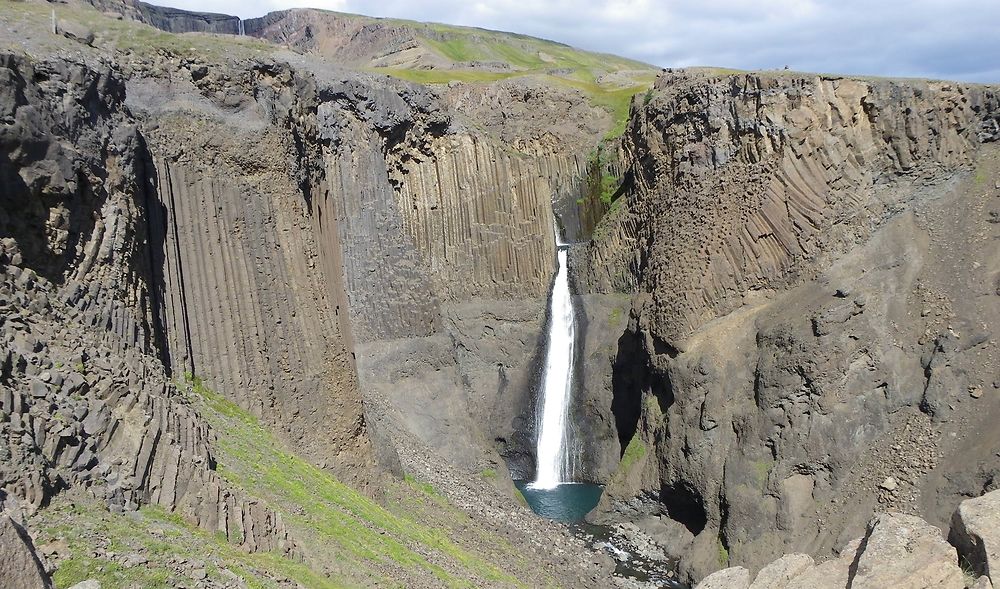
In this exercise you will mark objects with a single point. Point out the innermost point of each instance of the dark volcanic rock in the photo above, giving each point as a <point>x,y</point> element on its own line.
<point>174,20</point>
<point>803,318</point>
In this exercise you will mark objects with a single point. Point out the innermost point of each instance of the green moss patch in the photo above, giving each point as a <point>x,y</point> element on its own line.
<point>634,452</point>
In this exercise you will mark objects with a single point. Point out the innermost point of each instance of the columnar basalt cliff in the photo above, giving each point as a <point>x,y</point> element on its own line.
<point>440,227</point>
<point>251,290</point>
<point>817,160</point>
<point>84,398</point>
<point>158,272</point>
<point>815,296</point>
<point>442,199</point>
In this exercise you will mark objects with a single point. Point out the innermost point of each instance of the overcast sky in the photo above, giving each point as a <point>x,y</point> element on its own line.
<point>952,39</point>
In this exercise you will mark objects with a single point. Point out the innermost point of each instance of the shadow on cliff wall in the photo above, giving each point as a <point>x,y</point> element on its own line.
<point>50,201</point>
<point>633,379</point>
<point>156,242</point>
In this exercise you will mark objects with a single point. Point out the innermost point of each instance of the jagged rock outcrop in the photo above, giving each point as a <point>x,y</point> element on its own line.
<point>813,316</point>
<point>975,531</point>
<point>84,397</point>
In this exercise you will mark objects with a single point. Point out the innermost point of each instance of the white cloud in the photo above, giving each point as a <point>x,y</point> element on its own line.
<point>958,39</point>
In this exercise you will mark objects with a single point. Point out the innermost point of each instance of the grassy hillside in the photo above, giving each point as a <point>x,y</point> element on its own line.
<point>348,540</point>
<point>431,53</point>
<point>608,81</point>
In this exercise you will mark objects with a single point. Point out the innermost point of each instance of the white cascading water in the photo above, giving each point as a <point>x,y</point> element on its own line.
<point>554,464</point>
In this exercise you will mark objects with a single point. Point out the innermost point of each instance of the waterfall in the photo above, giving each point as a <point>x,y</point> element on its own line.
<point>554,464</point>
<point>240,26</point>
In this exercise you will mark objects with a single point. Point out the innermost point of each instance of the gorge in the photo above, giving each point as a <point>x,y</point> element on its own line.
<point>282,307</point>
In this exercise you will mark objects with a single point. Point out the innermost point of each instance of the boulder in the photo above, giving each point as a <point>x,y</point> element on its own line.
<point>975,531</point>
<point>780,573</point>
<point>832,574</point>
<point>20,567</point>
<point>731,578</point>
<point>905,552</point>
<point>76,31</point>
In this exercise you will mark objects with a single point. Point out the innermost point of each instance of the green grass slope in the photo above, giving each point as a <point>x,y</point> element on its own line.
<point>348,540</point>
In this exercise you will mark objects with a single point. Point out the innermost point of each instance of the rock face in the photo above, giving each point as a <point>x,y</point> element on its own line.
<point>419,211</point>
<point>250,284</point>
<point>792,298</point>
<point>267,227</point>
<point>905,551</point>
<point>173,20</point>
<point>448,250</point>
<point>734,578</point>
<point>19,565</point>
<point>84,396</point>
<point>803,328</point>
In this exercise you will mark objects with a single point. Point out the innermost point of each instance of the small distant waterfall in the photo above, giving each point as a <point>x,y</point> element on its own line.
<point>554,463</point>
<point>240,27</point>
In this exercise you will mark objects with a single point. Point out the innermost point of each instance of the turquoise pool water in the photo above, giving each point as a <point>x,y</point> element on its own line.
<point>567,502</point>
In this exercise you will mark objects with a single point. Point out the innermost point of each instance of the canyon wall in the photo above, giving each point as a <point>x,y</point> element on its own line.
<point>433,203</point>
<point>448,254</point>
<point>84,395</point>
<point>793,296</point>
<point>251,294</point>
<point>811,336</point>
